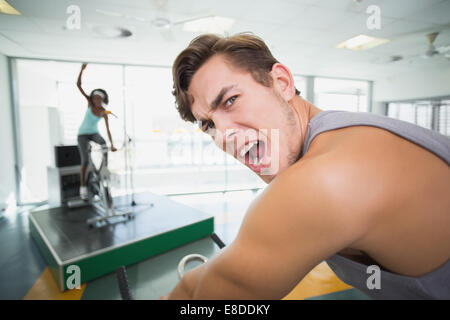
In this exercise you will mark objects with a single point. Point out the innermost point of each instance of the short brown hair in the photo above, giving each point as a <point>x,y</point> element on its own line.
<point>244,50</point>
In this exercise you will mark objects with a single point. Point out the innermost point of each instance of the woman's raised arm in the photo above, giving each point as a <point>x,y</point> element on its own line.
<point>83,66</point>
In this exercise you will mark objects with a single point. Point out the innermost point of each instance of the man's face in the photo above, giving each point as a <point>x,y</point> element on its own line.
<point>250,121</point>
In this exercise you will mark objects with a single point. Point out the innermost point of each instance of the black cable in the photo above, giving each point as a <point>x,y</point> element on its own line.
<point>217,240</point>
<point>122,279</point>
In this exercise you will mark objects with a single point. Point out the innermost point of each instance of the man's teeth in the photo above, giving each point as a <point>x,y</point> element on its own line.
<point>257,161</point>
<point>246,148</point>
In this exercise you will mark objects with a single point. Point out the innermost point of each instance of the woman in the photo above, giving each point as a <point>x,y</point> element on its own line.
<point>89,128</point>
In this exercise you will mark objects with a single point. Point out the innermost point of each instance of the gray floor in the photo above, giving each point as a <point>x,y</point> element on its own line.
<point>228,209</point>
<point>20,261</point>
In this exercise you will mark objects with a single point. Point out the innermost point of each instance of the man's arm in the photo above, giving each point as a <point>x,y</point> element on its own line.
<point>83,66</point>
<point>296,223</point>
<point>184,290</point>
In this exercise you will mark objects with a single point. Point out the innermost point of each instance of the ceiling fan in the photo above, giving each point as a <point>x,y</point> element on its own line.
<point>431,52</point>
<point>161,21</point>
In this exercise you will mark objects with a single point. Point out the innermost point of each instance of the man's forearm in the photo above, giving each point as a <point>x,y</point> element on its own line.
<point>181,291</point>
<point>186,287</point>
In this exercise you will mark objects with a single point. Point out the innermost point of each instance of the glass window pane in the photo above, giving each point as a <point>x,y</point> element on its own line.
<point>338,94</point>
<point>407,112</point>
<point>444,117</point>
<point>430,114</point>
<point>423,115</point>
<point>300,84</point>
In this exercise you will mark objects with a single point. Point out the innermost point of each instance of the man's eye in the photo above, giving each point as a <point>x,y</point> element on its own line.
<point>230,101</point>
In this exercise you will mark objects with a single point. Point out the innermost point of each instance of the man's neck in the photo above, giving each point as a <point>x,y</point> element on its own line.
<point>304,111</point>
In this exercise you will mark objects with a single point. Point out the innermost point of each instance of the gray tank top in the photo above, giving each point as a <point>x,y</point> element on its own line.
<point>434,285</point>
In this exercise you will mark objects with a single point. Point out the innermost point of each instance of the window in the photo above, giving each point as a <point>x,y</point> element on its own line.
<point>431,114</point>
<point>402,111</point>
<point>444,117</point>
<point>338,94</point>
<point>300,84</point>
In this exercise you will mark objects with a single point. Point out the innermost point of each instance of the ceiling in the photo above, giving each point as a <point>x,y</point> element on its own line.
<point>301,33</point>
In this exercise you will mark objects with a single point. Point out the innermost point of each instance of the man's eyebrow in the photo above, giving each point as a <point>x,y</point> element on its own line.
<point>215,103</point>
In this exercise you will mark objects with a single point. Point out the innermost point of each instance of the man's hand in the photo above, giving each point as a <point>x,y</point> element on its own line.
<point>83,66</point>
<point>113,149</point>
<point>166,297</point>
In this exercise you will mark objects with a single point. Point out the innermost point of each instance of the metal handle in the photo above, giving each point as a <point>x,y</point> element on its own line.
<point>186,259</point>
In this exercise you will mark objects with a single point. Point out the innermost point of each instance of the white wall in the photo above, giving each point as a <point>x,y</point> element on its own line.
<point>36,152</point>
<point>7,177</point>
<point>424,83</point>
<point>39,127</point>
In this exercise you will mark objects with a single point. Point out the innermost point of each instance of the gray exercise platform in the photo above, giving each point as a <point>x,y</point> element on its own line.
<point>159,225</point>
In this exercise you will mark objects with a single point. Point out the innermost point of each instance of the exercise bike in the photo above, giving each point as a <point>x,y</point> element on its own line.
<point>99,191</point>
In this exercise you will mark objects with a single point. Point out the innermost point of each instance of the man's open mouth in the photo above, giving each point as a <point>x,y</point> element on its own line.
<point>253,154</point>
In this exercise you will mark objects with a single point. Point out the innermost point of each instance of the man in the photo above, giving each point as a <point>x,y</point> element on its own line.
<point>353,189</point>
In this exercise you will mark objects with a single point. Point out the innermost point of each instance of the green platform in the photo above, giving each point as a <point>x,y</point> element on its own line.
<point>64,239</point>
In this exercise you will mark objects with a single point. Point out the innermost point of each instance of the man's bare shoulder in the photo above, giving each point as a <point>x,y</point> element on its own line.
<point>316,192</point>
<point>294,224</point>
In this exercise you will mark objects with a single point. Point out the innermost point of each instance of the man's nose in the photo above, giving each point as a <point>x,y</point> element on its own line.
<point>226,135</point>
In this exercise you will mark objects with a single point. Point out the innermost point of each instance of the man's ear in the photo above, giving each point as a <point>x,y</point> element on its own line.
<point>283,81</point>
